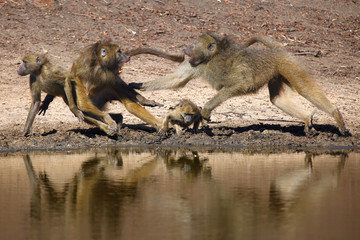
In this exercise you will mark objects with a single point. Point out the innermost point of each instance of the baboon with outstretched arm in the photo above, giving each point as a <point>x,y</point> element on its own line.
<point>234,70</point>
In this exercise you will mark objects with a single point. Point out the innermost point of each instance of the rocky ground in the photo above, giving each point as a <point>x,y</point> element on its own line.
<point>324,34</point>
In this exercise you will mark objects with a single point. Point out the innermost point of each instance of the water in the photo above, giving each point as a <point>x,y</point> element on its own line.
<point>163,194</point>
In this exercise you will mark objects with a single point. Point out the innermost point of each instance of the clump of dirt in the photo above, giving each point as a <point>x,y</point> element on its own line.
<point>325,37</point>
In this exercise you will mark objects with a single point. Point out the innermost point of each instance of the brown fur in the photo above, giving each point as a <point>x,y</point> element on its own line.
<point>50,78</point>
<point>235,70</point>
<point>181,116</point>
<point>95,72</point>
<point>44,76</point>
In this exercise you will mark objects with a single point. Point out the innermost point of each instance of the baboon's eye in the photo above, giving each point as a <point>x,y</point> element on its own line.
<point>211,46</point>
<point>103,52</point>
<point>38,60</point>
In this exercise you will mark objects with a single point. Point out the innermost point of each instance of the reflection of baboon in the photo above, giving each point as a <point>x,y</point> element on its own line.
<point>286,189</point>
<point>182,116</point>
<point>96,72</point>
<point>235,70</point>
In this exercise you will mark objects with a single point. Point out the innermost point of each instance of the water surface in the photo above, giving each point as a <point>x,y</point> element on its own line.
<point>167,194</point>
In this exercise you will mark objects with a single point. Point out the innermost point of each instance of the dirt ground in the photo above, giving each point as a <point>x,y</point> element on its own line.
<point>324,34</point>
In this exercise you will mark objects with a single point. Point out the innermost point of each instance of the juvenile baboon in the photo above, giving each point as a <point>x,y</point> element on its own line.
<point>182,116</point>
<point>234,70</point>
<point>44,76</point>
<point>95,74</point>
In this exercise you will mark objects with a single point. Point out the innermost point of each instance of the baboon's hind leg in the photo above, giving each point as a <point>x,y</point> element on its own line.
<point>280,96</point>
<point>141,113</point>
<point>94,115</point>
<point>305,85</point>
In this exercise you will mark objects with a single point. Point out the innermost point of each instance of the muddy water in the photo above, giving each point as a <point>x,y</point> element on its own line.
<point>166,194</point>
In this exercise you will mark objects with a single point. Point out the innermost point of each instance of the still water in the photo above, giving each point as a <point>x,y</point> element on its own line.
<point>168,194</point>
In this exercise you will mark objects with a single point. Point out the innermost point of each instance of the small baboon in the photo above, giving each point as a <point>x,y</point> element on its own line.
<point>44,76</point>
<point>95,74</point>
<point>182,116</point>
<point>234,70</point>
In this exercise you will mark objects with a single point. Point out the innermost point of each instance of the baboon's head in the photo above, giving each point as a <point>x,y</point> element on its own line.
<point>188,110</point>
<point>31,64</point>
<point>109,56</point>
<point>205,48</point>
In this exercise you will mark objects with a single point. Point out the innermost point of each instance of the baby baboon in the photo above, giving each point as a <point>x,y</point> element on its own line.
<point>234,70</point>
<point>95,72</point>
<point>182,116</point>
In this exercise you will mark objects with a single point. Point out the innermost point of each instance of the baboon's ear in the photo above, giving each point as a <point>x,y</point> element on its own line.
<point>95,48</point>
<point>224,42</point>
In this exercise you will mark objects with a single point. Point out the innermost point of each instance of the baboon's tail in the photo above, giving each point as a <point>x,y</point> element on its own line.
<point>137,51</point>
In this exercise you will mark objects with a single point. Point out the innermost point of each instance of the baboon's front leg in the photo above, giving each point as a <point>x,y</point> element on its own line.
<point>220,97</point>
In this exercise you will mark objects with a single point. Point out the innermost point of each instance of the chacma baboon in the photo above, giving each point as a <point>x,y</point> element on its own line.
<point>233,70</point>
<point>44,76</point>
<point>95,74</point>
<point>182,116</point>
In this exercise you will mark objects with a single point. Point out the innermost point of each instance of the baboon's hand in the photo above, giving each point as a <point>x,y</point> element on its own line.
<point>162,133</point>
<point>205,115</point>
<point>135,85</point>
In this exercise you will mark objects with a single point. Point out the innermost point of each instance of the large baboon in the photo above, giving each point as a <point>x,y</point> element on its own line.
<point>235,69</point>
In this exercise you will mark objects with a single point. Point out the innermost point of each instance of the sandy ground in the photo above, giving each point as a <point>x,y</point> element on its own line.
<point>323,34</point>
